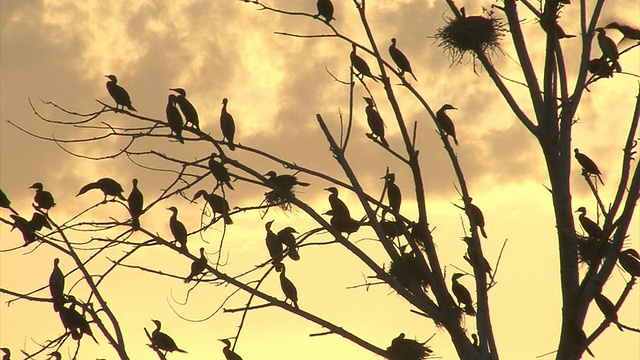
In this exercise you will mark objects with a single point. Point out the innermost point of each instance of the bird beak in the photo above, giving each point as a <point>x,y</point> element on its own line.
<point>106,76</point>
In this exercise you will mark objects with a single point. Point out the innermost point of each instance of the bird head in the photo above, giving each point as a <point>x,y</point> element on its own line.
<point>368,100</point>
<point>393,41</point>
<point>179,91</point>
<point>448,107</point>
<point>391,177</point>
<point>56,261</point>
<point>37,186</point>
<point>112,78</point>
<point>332,190</point>
<point>582,210</point>
<point>201,252</point>
<point>576,151</point>
<point>200,193</point>
<point>225,341</point>
<point>271,174</point>
<point>135,182</point>
<point>600,30</point>
<point>172,209</point>
<point>456,276</point>
<point>613,25</point>
<point>225,101</point>
<point>157,322</point>
<point>267,226</point>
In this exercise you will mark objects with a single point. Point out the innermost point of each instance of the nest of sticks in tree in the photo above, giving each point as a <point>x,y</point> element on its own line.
<point>468,35</point>
<point>407,349</point>
<point>408,269</point>
<point>591,250</point>
<point>279,198</point>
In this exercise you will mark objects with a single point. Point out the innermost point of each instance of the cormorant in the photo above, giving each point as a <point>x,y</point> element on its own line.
<point>38,221</point>
<point>476,214</point>
<point>174,118</point>
<point>325,9</point>
<point>286,237</point>
<point>56,286</point>
<point>289,290</point>
<point>630,262</point>
<point>162,341</point>
<point>188,110</point>
<point>56,355</point>
<point>608,309</point>
<point>74,321</point>
<point>118,93</point>
<point>609,48</point>
<point>197,266</point>
<point>360,65</point>
<point>393,193</point>
<point>135,201</point>
<point>284,182</point>
<point>338,208</point>
<point>274,245</point>
<point>43,198</point>
<point>600,67</point>
<point>219,171</point>
<point>7,353</point>
<point>445,123</point>
<point>109,187</point>
<point>178,230</point>
<point>218,204</point>
<point>28,232</point>
<point>588,165</point>
<point>376,124</point>
<point>589,226</point>
<point>627,31</point>
<point>227,125</point>
<point>400,59</point>
<point>462,294</point>
<point>228,353</point>
<point>343,224</point>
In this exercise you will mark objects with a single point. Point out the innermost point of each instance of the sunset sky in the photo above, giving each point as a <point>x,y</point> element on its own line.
<point>60,50</point>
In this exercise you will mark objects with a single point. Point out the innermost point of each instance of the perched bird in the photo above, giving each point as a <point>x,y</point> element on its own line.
<point>38,221</point>
<point>108,186</point>
<point>118,93</point>
<point>7,353</point>
<point>174,118</point>
<point>608,48</point>
<point>627,31</point>
<point>600,67</point>
<point>188,110</point>
<point>178,230</point>
<point>218,204</point>
<point>445,123</point>
<point>219,171</point>
<point>43,199</point>
<point>74,321</point>
<point>338,207</point>
<point>284,182</point>
<point>136,202</point>
<point>56,286</point>
<point>588,166</point>
<point>162,341</point>
<point>289,290</point>
<point>360,65</point>
<point>608,309</point>
<point>400,59</point>
<point>325,9</point>
<point>475,213</point>
<point>630,262</point>
<point>589,226</point>
<point>228,353</point>
<point>376,124</point>
<point>393,192</point>
<point>5,202</point>
<point>227,125</point>
<point>274,245</point>
<point>286,237</point>
<point>197,266</point>
<point>28,232</point>
<point>462,294</point>
<point>343,224</point>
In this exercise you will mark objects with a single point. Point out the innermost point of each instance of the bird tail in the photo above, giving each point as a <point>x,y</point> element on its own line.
<point>135,223</point>
<point>484,234</point>
<point>130,107</point>
<point>414,76</point>
<point>617,66</point>
<point>228,183</point>
<point>231,146</point>
<point>121,197</point>
<point>384,142</point>
<point>87,187</point>
<point>180,350</point>
<point>293,254</point>
<point>455,140</point>
<point>470,310</point>
<point>600,178</point>
<point>227,219</point>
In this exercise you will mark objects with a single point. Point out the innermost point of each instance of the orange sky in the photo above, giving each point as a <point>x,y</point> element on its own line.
<point>60,51</point>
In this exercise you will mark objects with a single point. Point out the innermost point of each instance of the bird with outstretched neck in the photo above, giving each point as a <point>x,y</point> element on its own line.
<point>136,203</point>
<point>445,123</point>
<point>400,59</point>
<point>108,186</point>
<point>227,125</point>
<point>118,93</point>
<point>289,290</point>
<point>376,124</point>
<point>462,295</point>
<point>162,341</point>
<point>178,230</point>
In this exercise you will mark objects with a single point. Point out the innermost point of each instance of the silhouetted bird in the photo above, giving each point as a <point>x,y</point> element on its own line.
<point>609,48</point>
<point>109,187</point>
<point>608,309</point>
<point>343,224</point>
<point>136,202</point>
<point>227,125</point>
<point>28,232</point>
<point>188,110</point>
<point>55,355</point>
<point>5,202</point>
<point>197,266</point>
<point>462,294</point>
<point>338,208</point>
<point>468,257</point>
<point>274,245</point>
<point>74,321</point>
<point>56,286</point>
<point>174,119</point>
<point>38,221</point>
<point>589,226</point>
<point>588,165</point>
<point>376,124</point>
<point>289,290</point>
<point>228,353</point>
<point>393,193</point>
<point>218,204</point>
<point>360,65</point>
<point>325,9</point>
<point>42,198</point>
<point>118,93</point>
<point>284,182</point>
<point>162,341</point>
<point>286,237</point>
<point>600,67</point>
<point>476,214</point>
<point>630,262</point>
<point>627,31</point>
<point>7,353</point>
<point>445,123</point>
<point>219,171</point>
<point>400,59</point>
<point>178,230</point>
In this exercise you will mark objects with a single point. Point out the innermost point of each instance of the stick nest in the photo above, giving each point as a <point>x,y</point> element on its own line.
<point>407,349</point>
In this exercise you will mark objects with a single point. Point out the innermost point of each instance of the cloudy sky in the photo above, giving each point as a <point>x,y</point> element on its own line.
<point>59,51</point>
